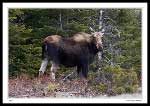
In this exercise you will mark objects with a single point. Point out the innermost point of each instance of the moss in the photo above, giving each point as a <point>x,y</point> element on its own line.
<point>52,87</point>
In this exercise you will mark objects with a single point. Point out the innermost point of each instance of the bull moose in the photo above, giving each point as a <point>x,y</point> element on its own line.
<point>78,50</point>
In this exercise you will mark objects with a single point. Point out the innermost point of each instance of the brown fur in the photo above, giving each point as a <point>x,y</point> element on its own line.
<point>52,39</point>
<point>81,36</point>
<point>78,50</point>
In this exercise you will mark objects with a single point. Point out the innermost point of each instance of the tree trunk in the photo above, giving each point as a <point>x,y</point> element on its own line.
<point>100,19</point>
<point>60,20</point>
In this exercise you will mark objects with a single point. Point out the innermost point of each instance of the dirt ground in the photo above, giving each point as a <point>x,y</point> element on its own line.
<point>24,86</point>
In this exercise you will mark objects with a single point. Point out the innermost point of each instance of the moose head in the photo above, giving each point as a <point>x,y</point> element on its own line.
<point>98,38</point>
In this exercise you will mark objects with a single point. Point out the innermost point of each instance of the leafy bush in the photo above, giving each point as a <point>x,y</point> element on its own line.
<point>115,80</point>
<point>102,87</point>
<point>27,60</point>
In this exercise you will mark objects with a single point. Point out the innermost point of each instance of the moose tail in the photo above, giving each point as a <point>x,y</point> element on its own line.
<point>44,51</point>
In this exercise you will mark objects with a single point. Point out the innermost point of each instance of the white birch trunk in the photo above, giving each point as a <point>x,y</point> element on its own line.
<point>60,20</point>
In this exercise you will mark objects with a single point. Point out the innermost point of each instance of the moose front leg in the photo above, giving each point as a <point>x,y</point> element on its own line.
<point>85,71</point>
<point>53,70</point>
<point>79,71</point>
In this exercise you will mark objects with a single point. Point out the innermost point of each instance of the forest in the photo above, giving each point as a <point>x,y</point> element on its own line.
<point>118,72</point>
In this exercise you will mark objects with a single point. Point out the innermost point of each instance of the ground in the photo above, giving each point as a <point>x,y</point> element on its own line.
<point>26,87</point>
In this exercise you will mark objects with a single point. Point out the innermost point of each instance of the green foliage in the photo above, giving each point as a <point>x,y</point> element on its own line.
<point>131,89</point>
<point>119,90</point>
<point>27,60</point>
<point>52,87</point>
<point>115,80</point>
<point>102,87</point>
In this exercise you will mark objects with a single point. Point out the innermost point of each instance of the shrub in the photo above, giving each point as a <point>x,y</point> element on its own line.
<point>118,90</point>
<point>102,87</point>
<point>52,87</point>
<point>114,79</point>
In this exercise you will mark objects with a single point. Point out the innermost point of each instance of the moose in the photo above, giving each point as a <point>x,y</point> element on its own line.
<point>76,51</point>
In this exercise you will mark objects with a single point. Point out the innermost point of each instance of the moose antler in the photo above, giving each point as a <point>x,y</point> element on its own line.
<point>92,30</point>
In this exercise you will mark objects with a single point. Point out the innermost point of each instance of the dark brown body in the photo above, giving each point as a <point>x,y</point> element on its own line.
<point>78,50</point>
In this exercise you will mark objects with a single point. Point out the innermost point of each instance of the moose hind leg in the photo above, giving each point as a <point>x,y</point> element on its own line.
<point>43,66</point>
<point>53,70</point>
<point>85,71</point>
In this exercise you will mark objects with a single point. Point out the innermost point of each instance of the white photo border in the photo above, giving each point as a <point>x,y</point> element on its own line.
<point>7,6</point>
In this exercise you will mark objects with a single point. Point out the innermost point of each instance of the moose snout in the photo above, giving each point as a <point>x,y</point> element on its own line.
<point>101,49</point>
<point>100,46</point>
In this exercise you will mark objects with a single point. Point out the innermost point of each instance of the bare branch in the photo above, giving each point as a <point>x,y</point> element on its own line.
<point>68,75</point>
<point>107,18</point>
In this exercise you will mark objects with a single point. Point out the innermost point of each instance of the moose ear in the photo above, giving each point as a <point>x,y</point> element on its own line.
<point>101,33</point>
<point>93,34</point>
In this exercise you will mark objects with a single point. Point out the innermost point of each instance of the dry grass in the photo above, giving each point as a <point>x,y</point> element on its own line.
<point>25,86</point>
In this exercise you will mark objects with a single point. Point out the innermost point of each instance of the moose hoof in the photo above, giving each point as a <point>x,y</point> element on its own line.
<point>40,73</point>
<point>52,79</point>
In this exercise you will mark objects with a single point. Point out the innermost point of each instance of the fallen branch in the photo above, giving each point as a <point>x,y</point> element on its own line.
<point>74,92</point>
<point>68,75</point>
